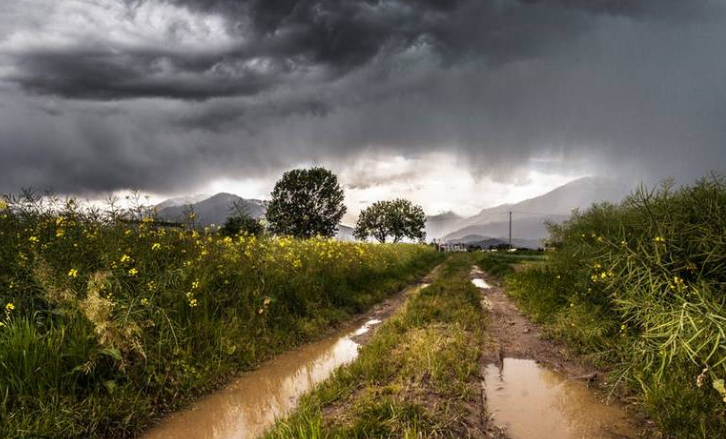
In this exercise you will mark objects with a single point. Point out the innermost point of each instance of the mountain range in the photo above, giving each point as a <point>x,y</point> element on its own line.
<point>216,208</point>
<point>210,210</point>
<point>488,227</point>
<point>528,216</point>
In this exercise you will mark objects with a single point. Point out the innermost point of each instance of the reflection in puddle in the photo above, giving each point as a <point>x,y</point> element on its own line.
<point>366,326</point>
<point>481,283</point>
<point>531,402</point>
<point>477,280</point>
<point>251,404</point>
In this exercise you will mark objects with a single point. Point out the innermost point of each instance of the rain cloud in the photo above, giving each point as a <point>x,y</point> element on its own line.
<point>165,95</point>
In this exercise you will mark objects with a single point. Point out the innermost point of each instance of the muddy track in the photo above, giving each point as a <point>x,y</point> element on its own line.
<point>383,310</point>
<point>511,336</point>
<point>251,402</point>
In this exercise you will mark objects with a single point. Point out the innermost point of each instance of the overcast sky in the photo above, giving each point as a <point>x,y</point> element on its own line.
<point>458,104</point>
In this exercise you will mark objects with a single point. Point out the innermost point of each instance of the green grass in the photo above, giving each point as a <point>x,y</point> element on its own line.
<point>638,288</point>
<point>500,263</point>
<point>105,325</point>
<point>414,379</point>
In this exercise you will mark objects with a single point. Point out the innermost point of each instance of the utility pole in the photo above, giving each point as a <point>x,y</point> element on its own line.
<point>510,229</point>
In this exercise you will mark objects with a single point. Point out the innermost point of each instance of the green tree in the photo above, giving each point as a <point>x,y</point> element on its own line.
<point>306,203</point>
<point>398,218</point>
<point>241,223</point>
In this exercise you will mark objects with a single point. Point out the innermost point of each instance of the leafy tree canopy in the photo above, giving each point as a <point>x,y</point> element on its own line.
<point>398,218</point>
<point>306,203</point>
<point>241,223</point>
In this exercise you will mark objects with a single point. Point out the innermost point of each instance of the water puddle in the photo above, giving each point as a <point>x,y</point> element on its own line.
<point>477,279</point>
<point>366,327</point>
<point>252,403</point>
<point>481,283</point>
<point>531,402</point>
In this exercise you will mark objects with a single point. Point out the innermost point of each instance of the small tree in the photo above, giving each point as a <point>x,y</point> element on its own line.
<point>398,218</point>
<point>306,203</point>
<point>373,221</point>
<point>241,223</point>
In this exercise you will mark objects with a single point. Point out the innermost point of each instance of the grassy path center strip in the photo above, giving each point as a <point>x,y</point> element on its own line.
<point>418,377</point>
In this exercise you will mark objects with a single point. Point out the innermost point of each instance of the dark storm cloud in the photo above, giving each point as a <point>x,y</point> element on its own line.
<point>168,95</point>
<point>290,37</point>
<point>101,75</point>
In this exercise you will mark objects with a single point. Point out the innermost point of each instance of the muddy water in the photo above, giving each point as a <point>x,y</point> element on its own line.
<point>478,278</point>
<point>252,403</point>
<point>531,402</point>
<point>481,283</point>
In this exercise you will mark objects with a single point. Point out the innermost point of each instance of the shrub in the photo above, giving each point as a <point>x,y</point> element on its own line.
<point>641,285</point>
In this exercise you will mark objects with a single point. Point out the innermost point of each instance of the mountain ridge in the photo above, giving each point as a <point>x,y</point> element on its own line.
<point>213,210</point>
<point>530,215</point>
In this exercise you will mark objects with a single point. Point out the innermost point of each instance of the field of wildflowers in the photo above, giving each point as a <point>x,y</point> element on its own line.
<point>640,288</point>
<point>108,320</point>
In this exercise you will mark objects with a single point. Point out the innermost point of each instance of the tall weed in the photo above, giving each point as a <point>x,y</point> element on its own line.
<point>640,286</point>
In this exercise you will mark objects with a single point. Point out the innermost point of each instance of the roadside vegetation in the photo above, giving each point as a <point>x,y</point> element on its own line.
<point>639,289</point>
<point>110,319</point>
<point>417,378</point>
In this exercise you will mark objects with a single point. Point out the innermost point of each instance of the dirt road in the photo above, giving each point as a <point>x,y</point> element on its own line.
<point>532,390</point>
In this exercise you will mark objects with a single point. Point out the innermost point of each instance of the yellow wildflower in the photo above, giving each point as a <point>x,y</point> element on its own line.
<point>73,273</point>
<point>125,258</point>
<point>33,239</point>
<point>133,272</point>
<point>9,307</point>
<point>144,302</point>
<point>155,246</point>
<point>59,233</point>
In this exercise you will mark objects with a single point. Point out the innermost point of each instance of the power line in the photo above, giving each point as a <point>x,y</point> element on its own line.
<point>510,229</point>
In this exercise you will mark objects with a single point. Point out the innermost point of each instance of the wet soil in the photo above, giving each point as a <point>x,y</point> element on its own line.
<point>251,403</point>
<point>533,389</point>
